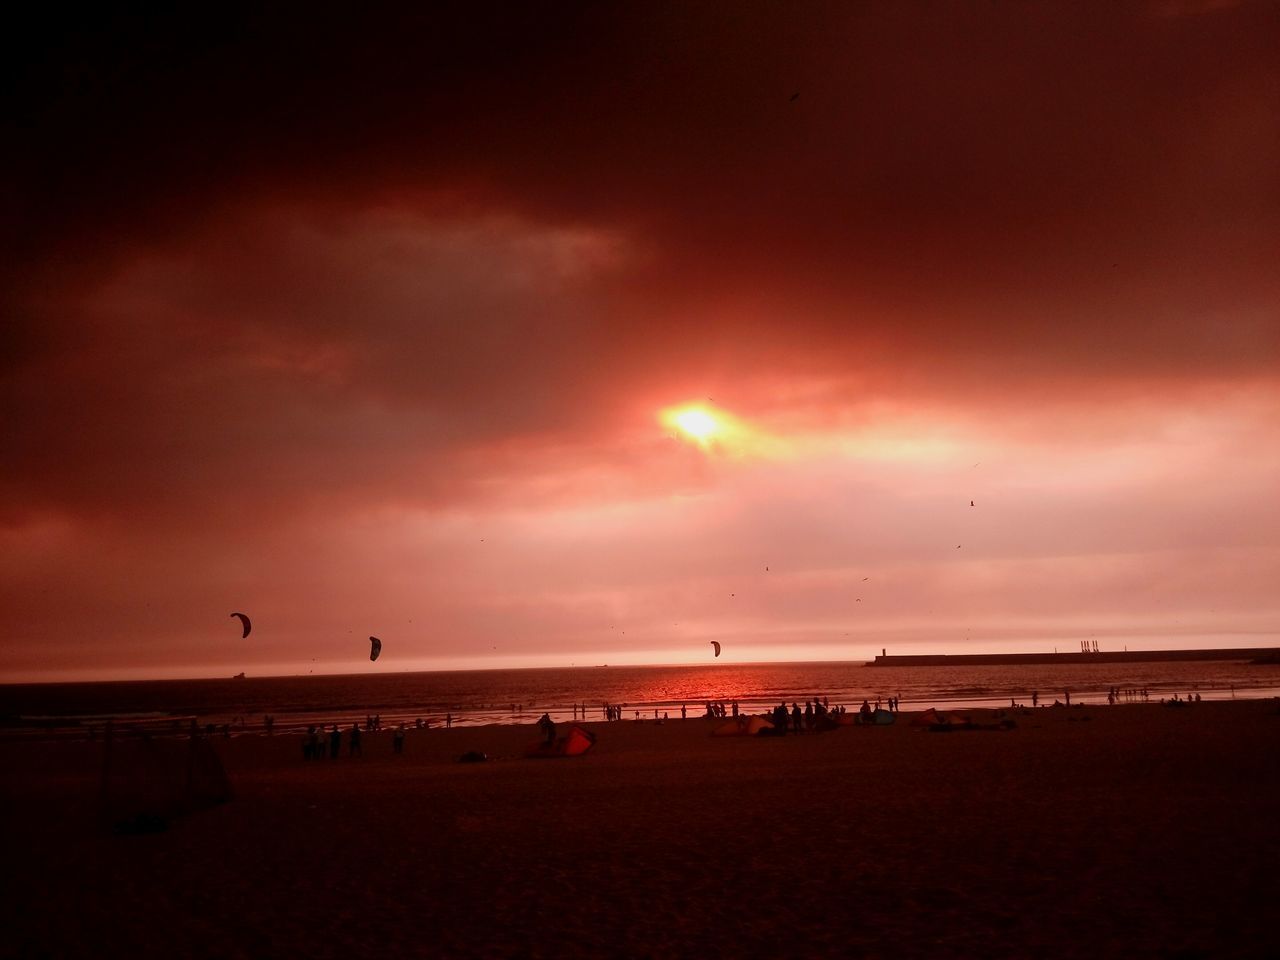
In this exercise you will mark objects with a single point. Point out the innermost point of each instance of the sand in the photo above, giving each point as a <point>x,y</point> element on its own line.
<point>1133,831</point>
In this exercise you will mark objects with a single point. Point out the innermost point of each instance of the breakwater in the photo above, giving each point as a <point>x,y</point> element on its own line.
<point>1266,654</point>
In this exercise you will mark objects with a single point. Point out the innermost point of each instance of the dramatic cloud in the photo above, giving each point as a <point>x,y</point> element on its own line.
<point>368,323</point>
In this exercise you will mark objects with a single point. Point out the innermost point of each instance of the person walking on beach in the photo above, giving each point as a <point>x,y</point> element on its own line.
<point>354,749</point>
<point>797,719</point>
<point>548,728</point>
<point>335,742</point>
<point>684,713</point>
<point>397,739</point>
<point>1035,698</point>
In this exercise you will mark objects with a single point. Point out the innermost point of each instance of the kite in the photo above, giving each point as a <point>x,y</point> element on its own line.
<point>716,644</point>
<point>375,648</point>
<point>244,622</point>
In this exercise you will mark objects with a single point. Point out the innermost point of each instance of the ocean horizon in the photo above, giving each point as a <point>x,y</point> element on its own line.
<point>513,696</point>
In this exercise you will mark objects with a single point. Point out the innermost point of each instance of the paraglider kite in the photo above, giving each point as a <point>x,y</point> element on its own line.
<point>375,648</point>
<point>244,622</point>
<point>716,644</point>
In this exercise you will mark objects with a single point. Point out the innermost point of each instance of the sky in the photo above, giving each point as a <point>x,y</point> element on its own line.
<point>392,322</point>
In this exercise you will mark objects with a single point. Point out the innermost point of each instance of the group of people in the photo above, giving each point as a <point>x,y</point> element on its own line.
<point>314,743</point>
<point>1116,694</point>
<point>317,744</point>
<point>817,713</point>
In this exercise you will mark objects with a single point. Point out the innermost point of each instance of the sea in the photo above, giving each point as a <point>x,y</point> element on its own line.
<point>468,698</point>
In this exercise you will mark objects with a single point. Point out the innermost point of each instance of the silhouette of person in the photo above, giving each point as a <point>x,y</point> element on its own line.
<point>797,719</point>
<point>397,739</point>
<point>353,746</point>
<point>335,742</point>
<point>548,728</point>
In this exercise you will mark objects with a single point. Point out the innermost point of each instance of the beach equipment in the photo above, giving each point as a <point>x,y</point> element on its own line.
<point>574,743</point>
<point>375,648</point>
<point>148,781</point>
<point>879,718</point>
<point>244,623</point>
<point>742,727</point>
<point>926,719</point>
<point>825,722</point>
<point>977,719</point>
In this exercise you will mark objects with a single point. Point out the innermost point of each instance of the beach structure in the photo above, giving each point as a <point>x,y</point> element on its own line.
<point>149,779</point>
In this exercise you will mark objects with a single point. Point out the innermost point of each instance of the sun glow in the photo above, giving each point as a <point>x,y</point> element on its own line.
<point>716,432</point>
<point>697,423</point>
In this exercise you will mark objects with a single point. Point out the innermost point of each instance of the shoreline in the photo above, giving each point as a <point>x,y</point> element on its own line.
<point>296,724</point>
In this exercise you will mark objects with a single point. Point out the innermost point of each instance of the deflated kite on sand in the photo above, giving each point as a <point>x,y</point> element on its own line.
<point>742,727</point>
<point>876,718</point>
<point>577,741</point>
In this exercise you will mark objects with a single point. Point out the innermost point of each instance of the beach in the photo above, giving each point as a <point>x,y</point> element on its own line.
<point>1135,830</point>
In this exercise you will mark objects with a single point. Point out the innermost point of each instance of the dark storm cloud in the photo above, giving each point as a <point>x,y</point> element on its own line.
<point>964,201</point>
<point>958,143</point>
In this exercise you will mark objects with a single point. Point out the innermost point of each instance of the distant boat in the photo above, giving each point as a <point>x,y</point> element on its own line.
<point>238,676</point>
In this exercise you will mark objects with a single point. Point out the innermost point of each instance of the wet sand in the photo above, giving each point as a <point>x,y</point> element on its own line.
<point>1136,830</point>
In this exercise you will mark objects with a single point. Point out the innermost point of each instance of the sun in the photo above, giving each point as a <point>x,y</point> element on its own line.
<point>697,423</point>
<point>715,432</point>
